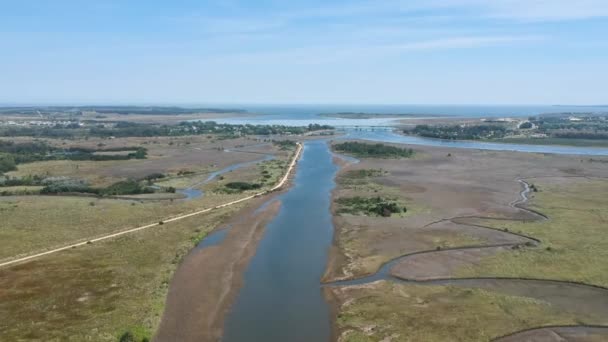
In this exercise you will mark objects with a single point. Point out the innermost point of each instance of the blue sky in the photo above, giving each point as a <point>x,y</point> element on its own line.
<point>265,51</point>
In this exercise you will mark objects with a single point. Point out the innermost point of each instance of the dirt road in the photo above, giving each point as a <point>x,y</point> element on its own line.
<point>177,218</point>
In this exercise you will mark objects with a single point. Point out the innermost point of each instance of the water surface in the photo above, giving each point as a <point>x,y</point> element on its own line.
<point>281,299</point>
<point>386,135</point>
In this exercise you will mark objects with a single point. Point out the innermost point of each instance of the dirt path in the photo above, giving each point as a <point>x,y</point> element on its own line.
<point>168,220</point>
<point>207,281</point>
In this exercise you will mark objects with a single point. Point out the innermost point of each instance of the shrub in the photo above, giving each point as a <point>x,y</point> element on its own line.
<point>377,206</point>
<point>242,186</point>
<point>128,187</point>
<point>7,163</point>
<point>373,150</point>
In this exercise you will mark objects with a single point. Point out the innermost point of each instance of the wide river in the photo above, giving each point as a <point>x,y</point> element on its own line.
<point>281,299</point>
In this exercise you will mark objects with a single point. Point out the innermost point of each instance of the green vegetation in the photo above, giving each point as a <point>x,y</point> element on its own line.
<point>363,173</point>
<point>132,129</point>
<point>12,153</point>
<point>75,111</point>
<point>7,163</point>
<point>373,150</point>
<point>369,206</point>
<point>128,187</point>
<point>285,145</point>
<point>440,313</point>
<point>574,235</point>
<point>242,186</point>
<point>463,132</point>
<point>557,129</point>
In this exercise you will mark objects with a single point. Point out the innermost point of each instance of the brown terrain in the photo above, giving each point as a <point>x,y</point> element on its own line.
<point>207,281</point>
<point>451,195</point>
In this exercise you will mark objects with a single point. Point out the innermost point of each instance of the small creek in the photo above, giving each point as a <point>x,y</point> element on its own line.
<point>192,192</point>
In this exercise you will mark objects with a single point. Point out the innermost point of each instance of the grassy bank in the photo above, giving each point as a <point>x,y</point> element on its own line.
<point>35,223</point>
<point>99,291</point>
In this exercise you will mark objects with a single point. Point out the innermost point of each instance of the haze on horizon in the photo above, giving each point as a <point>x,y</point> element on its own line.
<point>237,51</point>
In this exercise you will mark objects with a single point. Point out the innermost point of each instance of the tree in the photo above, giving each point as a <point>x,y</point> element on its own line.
<point>127,337</point>
<point>7,163</point>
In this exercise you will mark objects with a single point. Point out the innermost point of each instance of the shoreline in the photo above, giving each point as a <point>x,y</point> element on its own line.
<point>208,280</point>
<point>224,271</point>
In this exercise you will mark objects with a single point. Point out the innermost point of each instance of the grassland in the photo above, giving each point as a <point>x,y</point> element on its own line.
<point>387,311</point>
<point>574,236</point>
<point>36,223</point>
<point>446,192</point>
<point>99,291</point>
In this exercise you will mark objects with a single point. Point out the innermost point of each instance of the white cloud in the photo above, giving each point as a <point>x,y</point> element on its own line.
<point>316,55</point>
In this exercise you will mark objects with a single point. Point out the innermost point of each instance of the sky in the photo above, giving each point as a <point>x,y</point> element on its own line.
<point>303,52</point>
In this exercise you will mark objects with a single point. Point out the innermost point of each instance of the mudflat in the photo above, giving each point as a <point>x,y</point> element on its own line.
<point>500,235</point>
<point>207,281</point>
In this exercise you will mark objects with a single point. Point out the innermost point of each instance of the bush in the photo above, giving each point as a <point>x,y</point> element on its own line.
<point>373,150</point>
<point>376,206</point>
<point>128,187</point>
<point>526,125</point>
<point>242,186</point>
<point>127,337</point>
<point>7,163</point>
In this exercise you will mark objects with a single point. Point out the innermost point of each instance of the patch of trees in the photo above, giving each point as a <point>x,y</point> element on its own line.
<point>242,186</point>
<point>373,150</point>
<point>7,163</point>
<point>363,173</point>
<point>580,135</point>
<point>153,176</point>
<point>526,125</point>
<point>285,144</point>
<point>207,127</point>
<point>459,132</point>
<point>27,152</point>
<point>130,129</point>
<point>28,180</point>
<point>129,336</point>
<point>371,206</point>
<point>68,186</point>
<point>128,187</point>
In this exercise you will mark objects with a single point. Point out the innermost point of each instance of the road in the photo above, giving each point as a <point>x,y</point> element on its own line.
<point>282,182</point>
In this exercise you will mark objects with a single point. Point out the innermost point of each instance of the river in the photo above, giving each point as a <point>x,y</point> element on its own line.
<point>281,299</point>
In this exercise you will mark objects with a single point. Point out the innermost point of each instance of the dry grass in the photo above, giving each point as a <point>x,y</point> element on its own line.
<point>574,239</point>
<point>406,312</point>
<point>99,291</point>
